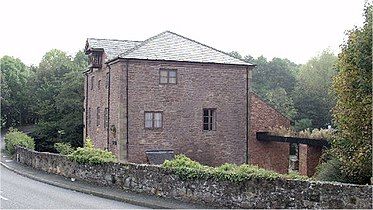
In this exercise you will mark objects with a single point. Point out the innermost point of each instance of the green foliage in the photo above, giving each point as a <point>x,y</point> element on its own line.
<point>353,110</point>
<point>188,169</point>
<point>330,171</point>
<point>89,144</point>
<point>15,100</point>
<point>296,176</point>
<point>281,101</point>
<point>277,73</point>
<point>89,155</point>
<point>312,96</point>
<point>182,161</point>
<point>327,134</point>
<point>274,81</point>
<point>302,124</point>
<point>15,138</point>
<point>64,148</point>
<point>59,95</point>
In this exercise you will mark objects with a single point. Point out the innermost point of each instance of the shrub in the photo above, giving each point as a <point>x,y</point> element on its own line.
<point>302,124</point>
<point>296,176</point>
<point>181,161</point>
<point>64,148</point>
<point>353,111</point>
<point>15,138</point>
<point>186,168</point>
<point>89,154</point>
<point>330,171</point>
<point>327,134</point>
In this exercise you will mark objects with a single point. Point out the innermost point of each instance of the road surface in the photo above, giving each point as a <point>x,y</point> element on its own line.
<point>17,191</point>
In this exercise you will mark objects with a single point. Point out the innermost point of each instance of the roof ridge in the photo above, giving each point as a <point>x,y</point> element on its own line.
<point>122,40</point>
<point>208,46</point>
<point>146,41</point>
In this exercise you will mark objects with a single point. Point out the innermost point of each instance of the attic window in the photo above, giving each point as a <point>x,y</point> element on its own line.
<point>95,59</point>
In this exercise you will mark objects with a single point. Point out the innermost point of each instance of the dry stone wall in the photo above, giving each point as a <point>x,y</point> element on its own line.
<point>253,193</point>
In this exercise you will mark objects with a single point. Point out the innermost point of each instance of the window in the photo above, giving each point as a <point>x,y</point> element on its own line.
<point>107,80</point>
<point>209,116</point>
<point>95,59</point>
<point>106,118</point>
<point>98,84</point>
<point>89,116</point>
<point>167,76</point>
<point>92,82</point>
<point>98,116</point>
<point>153,120</point>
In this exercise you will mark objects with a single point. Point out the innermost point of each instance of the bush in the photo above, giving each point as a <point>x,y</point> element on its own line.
<point>327,134</point>
<point>186,169</point>
<point>15,138</point>
<point>90,155</point>
<point>330,171</point>
<point>64,148</point>
<point>296,176</point>
<point>181,161</point>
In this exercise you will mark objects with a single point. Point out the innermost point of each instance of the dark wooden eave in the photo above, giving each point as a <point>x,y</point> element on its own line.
<point>266,136</point>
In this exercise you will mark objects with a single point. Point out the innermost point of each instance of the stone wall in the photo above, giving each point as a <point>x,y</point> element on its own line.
<point>253,193</point>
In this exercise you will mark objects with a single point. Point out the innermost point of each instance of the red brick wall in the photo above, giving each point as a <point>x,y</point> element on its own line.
<point>309,158</point>
<point>97,98</point>
<point>198,86</point>
<point>268,155</point>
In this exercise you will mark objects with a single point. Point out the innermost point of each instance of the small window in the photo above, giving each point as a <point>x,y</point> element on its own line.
<point>89,116</point>
<point>92,82</point>
<point>98,116</point>
<point>98,84</point>
<point>107,80</point>
<point>209,116</point>
<point>106,118</point>
<point>153,120</point>
<point>167,76</point>
<point>96,59</point>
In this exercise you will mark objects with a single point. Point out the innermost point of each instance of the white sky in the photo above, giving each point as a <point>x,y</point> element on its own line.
<point>293,29</point>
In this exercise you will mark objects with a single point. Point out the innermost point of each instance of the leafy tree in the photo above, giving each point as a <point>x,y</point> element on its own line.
<point>14,92</point>
<point>302,124</point>
<point>274,81</point>
<point>236,54</point>
<point>277,73</point>
<point>312,97</point>
<point>282,102</point>
<point>353,110</point>
<point>58,87</point>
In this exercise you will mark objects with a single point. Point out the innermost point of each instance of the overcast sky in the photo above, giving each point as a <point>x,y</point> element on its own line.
<point>293,29</point>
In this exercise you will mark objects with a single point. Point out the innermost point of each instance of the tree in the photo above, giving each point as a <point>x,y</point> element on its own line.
<point>274,81</point>
<point>312,97</point>
<point>282,102</point>
<point>277,73</point>
<point>14,92</point>
<point>353,110</point>
<point>58,87</point>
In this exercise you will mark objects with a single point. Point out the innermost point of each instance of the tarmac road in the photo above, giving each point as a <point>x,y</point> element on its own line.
<point>20,192</point>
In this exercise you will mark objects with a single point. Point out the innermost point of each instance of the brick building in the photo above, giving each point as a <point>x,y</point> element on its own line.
<point>171,92</point>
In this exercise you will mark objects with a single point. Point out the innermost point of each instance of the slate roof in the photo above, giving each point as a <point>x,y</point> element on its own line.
<point>112,47</point>
<point>164,46</point>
